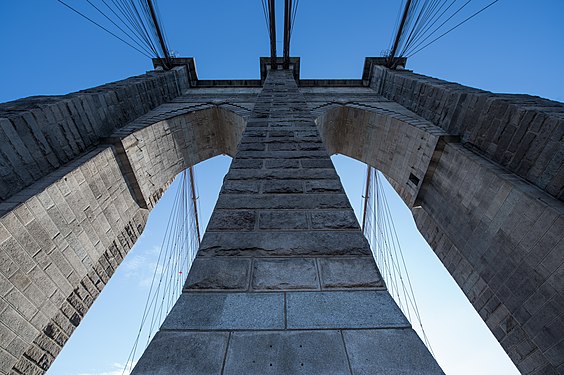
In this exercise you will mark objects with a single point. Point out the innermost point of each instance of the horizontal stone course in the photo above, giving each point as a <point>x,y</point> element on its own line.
<point>284,243</point>
<point>282,174</point>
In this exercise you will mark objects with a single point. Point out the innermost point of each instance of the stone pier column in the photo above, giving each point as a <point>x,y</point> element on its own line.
<point>284,281</point>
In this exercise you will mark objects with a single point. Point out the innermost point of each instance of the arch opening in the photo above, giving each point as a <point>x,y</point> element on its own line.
<point>127,289</point>
<point>442,303</point>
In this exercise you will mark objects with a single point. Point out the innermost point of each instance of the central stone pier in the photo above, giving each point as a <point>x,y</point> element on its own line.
<point>284,281</point>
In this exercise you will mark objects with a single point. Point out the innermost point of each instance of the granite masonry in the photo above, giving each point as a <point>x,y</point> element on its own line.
<point>284,281</point>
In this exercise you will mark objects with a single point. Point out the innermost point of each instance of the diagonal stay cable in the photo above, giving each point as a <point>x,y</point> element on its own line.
<point>118,26</point>
<point>454,27</point>
<point>103,28</point>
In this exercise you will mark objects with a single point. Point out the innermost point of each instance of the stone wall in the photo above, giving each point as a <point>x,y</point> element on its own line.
<point>42,133</point>
<point>68,212</point>
<point>491,208</point>
<point>284,281</point>
<point>381,133</point>
<point>58,248</point>
<point>483,173</point>
<point>522,133</point>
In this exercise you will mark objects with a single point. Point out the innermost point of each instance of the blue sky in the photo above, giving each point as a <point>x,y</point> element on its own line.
<point>515,47</point>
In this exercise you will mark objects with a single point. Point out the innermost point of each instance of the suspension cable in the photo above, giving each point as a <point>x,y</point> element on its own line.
<point>424,20</point>
<point>178,249</point>
<point>134,22</point>
<point>380,231</point>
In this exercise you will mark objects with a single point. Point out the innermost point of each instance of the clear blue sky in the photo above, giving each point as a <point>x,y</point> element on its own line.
<point>516,46</point>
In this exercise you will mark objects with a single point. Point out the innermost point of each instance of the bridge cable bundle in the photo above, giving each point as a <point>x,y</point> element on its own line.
<point>378,227</point>
<point>177,252</point>
<point>423,22</point>
<point>290,12</point>
<point>136,23</point>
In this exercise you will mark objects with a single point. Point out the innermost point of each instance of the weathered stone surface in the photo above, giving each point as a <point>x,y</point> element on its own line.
<point>499,231</point>
<point>276,164</point>
<point>226,311</point>
<point>283,174</point>
<point>282,215</point>
<point>323,187</point>
<point>219,274</point>
<point>334,220</point>
<point>246,164</point>
<point>284,274</point>
<point>286,201</point>
<point>202,354</point>
<point>240,187</point>
<point>388,351</point>
<point>290,352</point>
<point>284,243</point>
<point>232,220</point>
<point>322,163</point>
<point>283,187</point>
<point>359,272</point>
<point>283,220</point>
<point>343,310</point>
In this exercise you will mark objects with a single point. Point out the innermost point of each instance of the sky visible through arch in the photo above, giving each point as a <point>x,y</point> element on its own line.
<point>515,46</point>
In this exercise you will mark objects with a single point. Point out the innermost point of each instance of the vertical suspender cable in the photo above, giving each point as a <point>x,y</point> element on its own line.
<point>195,202</point>
<point>368,170</point>
<point>287,26</point>
<point>272,24</point>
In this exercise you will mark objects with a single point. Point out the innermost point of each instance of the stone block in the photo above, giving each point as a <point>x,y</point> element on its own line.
<point>226,311</point>
<point>218,273</point>
<point>387,351</point>
<point>280,146</point>
<point>323,186</point>
<point>168,354</point>
<point>556,354</point>
<point>283,187</point>
<point>281,164</point>
<point>284,274</point>
<point>334,220</point>
<point>282,220</point>
<point>343,310</point>
<point>246,164</point>
<point>320,163</point>
<point>286,353</point>
<point>240,187</point>
<point>359,272</point>
<point>251,147</point>
<point>232,220</point>
<point>312,146</point>
<point>280,133</point>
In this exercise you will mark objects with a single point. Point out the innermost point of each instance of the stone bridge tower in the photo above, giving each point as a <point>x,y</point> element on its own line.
<point>283,269</point>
